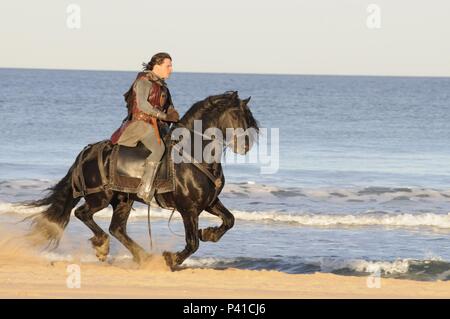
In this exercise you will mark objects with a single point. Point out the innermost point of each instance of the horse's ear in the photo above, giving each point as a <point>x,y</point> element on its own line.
<point>234,95</point>
<point>245,102</point>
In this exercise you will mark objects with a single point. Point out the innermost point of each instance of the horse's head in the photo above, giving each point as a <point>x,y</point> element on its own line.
<point>229,114</point>
<point>238,123</point>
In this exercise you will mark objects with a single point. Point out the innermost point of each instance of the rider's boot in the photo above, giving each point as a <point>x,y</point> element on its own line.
<point>145,188</point>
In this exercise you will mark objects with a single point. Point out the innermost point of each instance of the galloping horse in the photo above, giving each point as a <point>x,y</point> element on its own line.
<point>193,192</point>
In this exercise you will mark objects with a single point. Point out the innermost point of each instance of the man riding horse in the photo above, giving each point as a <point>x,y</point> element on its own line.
<point>195,185</point>
<point>149,109</point>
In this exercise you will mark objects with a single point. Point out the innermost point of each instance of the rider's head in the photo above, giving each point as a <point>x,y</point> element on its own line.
<point>160,64</point>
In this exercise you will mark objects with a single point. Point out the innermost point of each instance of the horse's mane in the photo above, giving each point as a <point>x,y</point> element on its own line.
<point>213,103</point>
<point>213,106</point>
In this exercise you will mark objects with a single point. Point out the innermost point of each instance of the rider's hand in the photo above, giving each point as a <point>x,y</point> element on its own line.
<point>172,115</point>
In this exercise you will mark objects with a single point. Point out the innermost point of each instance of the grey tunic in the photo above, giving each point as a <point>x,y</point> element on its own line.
<point>138,130</point>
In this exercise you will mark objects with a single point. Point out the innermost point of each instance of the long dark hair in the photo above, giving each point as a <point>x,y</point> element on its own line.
<point>158,58</point>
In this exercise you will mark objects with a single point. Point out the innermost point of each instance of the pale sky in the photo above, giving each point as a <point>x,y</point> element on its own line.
<point>231,36</point>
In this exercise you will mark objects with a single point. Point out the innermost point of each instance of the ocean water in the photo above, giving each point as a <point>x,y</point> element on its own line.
<point>362,185</point>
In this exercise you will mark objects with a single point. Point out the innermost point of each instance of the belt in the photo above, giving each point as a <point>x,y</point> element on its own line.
<point>141,116</point>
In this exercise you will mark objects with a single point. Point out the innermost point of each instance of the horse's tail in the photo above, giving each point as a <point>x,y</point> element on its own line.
<point>48,225</point>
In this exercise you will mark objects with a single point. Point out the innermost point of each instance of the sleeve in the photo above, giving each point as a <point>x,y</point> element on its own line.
<point>142,89</point>
<point>171,107</point>
<point>170,100</point>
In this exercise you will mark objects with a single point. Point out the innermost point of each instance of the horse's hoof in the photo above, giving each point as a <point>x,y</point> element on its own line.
<point>102,257</point>
<point>208,234</point>
<point>101,246</point>
<point>141,257</point>
<point>170,259</point>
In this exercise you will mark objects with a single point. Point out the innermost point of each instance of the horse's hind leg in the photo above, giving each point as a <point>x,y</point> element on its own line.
<point>215,233</point>
<point>118,227</point>
<point>100,241</point>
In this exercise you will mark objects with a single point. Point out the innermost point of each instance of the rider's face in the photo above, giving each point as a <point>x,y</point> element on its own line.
<point>164,69</point>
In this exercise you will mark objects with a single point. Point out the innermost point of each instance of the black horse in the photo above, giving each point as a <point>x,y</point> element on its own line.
<point>194,192</point>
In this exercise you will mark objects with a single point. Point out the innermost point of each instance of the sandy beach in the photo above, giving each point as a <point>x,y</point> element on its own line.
<point>26,275</point>
<point>303,147</point>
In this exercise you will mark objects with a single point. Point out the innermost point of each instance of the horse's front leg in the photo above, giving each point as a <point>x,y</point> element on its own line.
<point>215,233</point>
<point>190,221</point>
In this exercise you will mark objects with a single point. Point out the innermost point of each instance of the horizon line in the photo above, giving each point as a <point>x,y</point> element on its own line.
<point>233,73</point>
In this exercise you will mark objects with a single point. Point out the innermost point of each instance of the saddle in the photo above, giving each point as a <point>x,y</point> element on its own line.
<point>127,169</point>
<point>120,168</point>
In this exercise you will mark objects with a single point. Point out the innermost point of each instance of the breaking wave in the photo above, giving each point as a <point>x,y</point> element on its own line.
<point>429,269</point>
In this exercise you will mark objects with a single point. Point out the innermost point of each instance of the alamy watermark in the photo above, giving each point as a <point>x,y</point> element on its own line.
<point>373,20</point>
<point>74,278</point>
<point>207,146</point>
<point>73,20</point>
<point>374,280</point>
